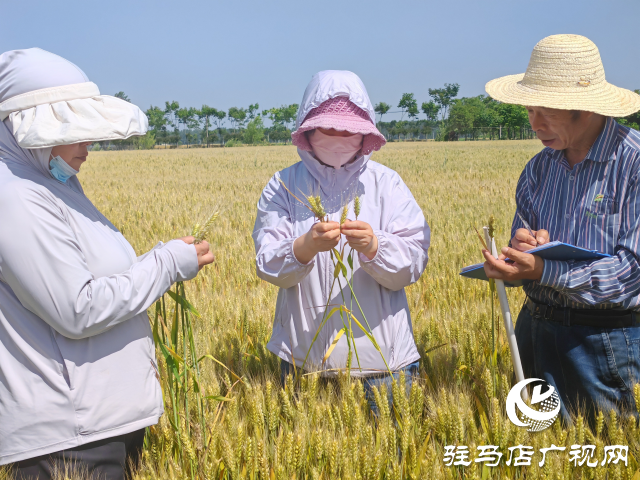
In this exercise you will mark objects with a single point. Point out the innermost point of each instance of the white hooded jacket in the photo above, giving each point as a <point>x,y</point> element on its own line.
<point>403,241</point>
<point>77,360</point>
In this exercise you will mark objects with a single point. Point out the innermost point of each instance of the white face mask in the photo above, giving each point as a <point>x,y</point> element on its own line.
<point>334,151</point>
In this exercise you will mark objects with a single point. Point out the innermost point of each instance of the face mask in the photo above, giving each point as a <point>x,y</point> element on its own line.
<point>61,170</point>
<point>334,151</point>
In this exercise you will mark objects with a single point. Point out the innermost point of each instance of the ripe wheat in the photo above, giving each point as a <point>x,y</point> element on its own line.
<point>322,428</point>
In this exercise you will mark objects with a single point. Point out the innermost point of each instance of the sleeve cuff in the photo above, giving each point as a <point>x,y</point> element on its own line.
<point>381,240</point>
<point>298,262</point>
<point>185,257</point>
<point>554,274</point>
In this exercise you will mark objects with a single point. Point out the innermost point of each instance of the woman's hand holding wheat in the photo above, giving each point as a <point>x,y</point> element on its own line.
<point>205,256</point>
<point>361,237</point>
<point>322,237</point>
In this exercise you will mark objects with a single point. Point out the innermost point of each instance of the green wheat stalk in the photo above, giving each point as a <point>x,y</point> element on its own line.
<point>177,346</point>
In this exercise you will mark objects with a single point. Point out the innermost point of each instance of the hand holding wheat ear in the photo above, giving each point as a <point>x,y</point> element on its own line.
<point>321,237</point>
<point>361,238</point>
<point>198,234</point>
<point>205,256</point>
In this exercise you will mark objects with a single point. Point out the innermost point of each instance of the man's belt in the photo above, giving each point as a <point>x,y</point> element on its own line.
<point>583,316</point>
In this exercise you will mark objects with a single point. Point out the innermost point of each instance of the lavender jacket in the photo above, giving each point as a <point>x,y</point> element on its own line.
<point>403,241</point>
<point>77,360</point>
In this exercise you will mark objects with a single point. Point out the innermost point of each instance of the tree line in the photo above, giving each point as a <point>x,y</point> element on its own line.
<point>206,125</point>
<point>446,118</point>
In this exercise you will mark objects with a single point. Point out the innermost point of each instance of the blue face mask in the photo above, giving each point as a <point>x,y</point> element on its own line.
<point>61,170</point>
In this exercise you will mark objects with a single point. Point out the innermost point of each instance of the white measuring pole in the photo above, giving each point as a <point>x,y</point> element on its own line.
<point>506,316</point>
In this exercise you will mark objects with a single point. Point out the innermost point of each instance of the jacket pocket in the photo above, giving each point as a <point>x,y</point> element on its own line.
<point>603,204</point>
<point>600,231</point>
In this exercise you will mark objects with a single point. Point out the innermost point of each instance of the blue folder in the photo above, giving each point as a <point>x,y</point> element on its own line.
<point>548,251</point>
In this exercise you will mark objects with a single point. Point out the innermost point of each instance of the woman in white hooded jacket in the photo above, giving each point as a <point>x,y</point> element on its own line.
<point>336,135</point>
<point>78,375</point>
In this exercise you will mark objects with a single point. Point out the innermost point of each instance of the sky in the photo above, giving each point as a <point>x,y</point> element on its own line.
<point>240,52</point>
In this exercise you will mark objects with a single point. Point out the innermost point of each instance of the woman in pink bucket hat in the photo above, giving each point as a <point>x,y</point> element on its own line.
<point>336,135</point>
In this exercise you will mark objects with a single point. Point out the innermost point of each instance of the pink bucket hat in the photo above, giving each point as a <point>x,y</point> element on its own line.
<point>340,114</point>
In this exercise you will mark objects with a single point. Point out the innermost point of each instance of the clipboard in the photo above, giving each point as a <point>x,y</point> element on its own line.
<point>549,251</point>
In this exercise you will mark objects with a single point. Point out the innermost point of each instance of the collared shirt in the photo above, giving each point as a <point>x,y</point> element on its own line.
<point>595,205</point>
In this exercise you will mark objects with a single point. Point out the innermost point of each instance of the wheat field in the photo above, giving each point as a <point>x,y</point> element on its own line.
<point>253,428</point>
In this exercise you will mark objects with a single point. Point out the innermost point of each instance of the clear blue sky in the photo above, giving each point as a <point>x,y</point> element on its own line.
<point>234,53</point>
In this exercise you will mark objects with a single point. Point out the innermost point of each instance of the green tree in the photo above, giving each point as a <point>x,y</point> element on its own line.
<point>144,142</point>
<point>633,120</point>
<point>413,111</point>
<point>237,116</point>
<point>157,123</point>
<point>401,128</point>
<point>430,109</point>
<point>188,118</point>
<point>511,117</point>
<point>444,96</point>
<point>408,105</point>
<point>470,116</point>
<point>182,116</point>
<point>283,118</point>
<point>272,114</point>
<point>382,108</point>
<point>205,114</point>
<point>170,111</point>
<point>289,114</point>
<point>464,114</point>
<point>157,119</point>
<point>218,119</point>
<point>193,122</point>
<point>254,133</point>
<point>252,111</point>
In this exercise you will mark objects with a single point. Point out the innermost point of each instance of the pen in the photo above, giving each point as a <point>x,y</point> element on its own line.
<point>528,227</point>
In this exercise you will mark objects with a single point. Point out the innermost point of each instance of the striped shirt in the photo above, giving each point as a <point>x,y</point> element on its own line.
<point>595,205</point>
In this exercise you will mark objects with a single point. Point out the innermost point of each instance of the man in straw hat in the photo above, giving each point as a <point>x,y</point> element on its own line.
<point>579,329</point>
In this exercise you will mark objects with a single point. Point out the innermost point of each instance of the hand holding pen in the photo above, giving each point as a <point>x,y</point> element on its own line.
<point>526,238</point>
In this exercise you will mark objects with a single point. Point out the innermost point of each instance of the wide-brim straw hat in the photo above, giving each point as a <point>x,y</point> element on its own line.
<point>565,72</point>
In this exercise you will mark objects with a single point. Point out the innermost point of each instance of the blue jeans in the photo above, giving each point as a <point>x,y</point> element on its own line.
<point>591,368</point>
<point>410,372</point>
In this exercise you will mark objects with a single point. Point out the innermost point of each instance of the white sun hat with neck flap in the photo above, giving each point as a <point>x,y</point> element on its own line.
<point>565,72</point>
<point>46,101</point>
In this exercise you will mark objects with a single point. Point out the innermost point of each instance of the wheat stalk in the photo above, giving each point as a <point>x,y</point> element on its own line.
<point>314,203</point>
<point>201,231</point>
<point>345,212</point>
<point>458,406</point>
